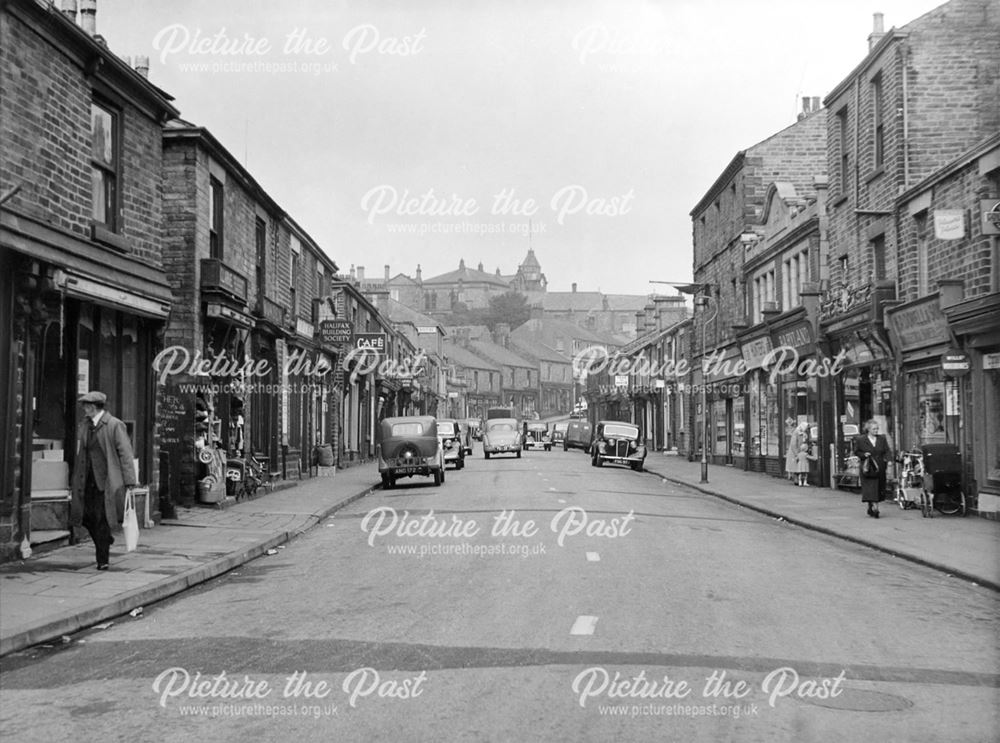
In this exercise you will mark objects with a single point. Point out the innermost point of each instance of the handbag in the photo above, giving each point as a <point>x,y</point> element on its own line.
<point>869,467</point>
<point>130,524</point>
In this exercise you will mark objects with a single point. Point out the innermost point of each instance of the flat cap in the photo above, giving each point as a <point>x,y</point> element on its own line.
<point>95,397</point>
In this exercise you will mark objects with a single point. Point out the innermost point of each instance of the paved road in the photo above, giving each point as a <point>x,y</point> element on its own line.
<point>482,610</point>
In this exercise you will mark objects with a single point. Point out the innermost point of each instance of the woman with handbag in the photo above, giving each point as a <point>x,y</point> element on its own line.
<point>873,450</point>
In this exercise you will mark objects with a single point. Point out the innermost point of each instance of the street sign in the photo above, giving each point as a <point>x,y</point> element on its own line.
<point>371,341</point>
<point>956,363</point>
<point>334,332</point>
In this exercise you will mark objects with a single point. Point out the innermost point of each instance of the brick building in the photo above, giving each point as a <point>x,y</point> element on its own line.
<point>83,293</point>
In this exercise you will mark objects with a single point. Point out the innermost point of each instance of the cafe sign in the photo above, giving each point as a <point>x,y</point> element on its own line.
<point>956,363</point>
<point>990,210</point>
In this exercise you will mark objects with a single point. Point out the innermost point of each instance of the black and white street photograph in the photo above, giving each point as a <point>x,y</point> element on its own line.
<point>443,370</point>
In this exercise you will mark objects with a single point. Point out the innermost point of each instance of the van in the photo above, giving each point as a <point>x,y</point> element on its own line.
<point>577,435</point>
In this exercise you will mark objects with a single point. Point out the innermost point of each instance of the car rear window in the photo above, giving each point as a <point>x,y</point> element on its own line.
<point>501,427</point>
<point>446,429</point>
<point>621,431</point>
<point>407,429</point>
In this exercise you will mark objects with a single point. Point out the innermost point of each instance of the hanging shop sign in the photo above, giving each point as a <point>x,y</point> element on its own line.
<point>335,332</point>
<point>755,351</point>
<point>990,209</point>
<point>955,363</point>
<point>991,361</point>
<point>370,341</point>
<point>921,324</point>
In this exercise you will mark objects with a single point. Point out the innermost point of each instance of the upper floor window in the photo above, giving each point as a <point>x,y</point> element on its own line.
<point>260,243</point>
<point>105,164</point>
<point>842,142</point>
<point>878,120</point>
<point>763,293</point>
<point>878,258</point>
<point>795,272</point>
<point>293,276</point>
<point>215,218</point>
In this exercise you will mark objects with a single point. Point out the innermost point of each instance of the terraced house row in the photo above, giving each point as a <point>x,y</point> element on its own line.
<point>140,258</point>
<point>869,232</point>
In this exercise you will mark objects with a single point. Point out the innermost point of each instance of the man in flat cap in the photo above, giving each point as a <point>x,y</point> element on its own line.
<point>102,470</point>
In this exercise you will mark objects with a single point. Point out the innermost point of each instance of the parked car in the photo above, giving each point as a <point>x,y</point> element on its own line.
<point>450,436</point>
<point>536,436</point>
<point>618,443</point>
<point>409,446</point>
<point>577,435</point>
<point>502,436</point>
<point>559,432</point>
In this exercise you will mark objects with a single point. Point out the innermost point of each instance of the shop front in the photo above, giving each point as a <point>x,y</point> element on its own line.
<point>73,321</point>
<point>794,363</point>
<point>975,323</point>
<point>763,413</point>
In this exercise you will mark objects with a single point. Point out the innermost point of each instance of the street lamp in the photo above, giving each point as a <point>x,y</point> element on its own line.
<point>702,299</point>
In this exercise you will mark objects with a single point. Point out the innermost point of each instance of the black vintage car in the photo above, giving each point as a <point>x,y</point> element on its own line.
<point>452,438</point>
<point>536,436</point>
<point>618,443</point>
<point>409,446</point>
<point>577,435</point>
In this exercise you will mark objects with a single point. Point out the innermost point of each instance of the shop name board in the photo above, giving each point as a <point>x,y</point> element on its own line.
<point>335,332</point>
<point>797,336</point>
<point>755,351</point>
<point>921,325</point>
<point>426,329</point>
<point>621,380</point>
<point>370,341</point>
<point>220,311</point>
<point>991,361</point>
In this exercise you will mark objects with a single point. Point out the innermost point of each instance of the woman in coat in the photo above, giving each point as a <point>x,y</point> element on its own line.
<point>796,439</point>
<point>873,450</point>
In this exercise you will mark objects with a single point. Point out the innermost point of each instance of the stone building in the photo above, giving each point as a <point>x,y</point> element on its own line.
<point>84,296</point>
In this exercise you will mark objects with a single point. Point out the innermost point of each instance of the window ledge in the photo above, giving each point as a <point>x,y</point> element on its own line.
<point>840,200</point>
<point>875,173</point>
<point>101,234</point>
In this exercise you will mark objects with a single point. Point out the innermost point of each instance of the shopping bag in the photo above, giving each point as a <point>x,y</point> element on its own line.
<point>130,524</point>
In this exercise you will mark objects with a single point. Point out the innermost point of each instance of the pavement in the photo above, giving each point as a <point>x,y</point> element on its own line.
<point>54,594</point>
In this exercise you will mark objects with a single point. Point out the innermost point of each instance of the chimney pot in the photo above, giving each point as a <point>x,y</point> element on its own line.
<point>806,104</point>
<point>574,287</point>
<point>68,9</point>
<point>88,16</point>
<point>877,31</point>
<point>142,65</point>
<point>387,272</point>
<point>817,105</point>
<point>877,23</point>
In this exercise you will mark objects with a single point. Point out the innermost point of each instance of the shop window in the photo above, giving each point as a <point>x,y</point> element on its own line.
<point>991,398</point>
<point>105,164</point>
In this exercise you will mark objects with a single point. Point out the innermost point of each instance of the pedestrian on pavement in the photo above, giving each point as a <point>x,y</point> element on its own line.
<point>872,448</point>
<point>799,436</point>
<point>802,461</point>
<point>102,469</point>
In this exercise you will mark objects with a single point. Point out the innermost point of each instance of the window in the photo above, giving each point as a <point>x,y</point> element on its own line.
<point>794,274</point>
<point>260,241</point>
<point>215,218</point>
<point>763,293</point>
<point>923,279</point>
<point>844,265</point>
<point>879,123</point>
<point>104,148</point>
<point>293,277</point>
<point>842,142</point>
<point>878,258</point>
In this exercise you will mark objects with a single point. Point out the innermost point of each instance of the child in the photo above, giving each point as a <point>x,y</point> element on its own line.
<point>802,460</point>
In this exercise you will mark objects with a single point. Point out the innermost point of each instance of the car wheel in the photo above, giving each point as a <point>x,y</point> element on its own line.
<point>386,481</point>
<point>565,447</point>
<point>518,453</point>
<point>438,477</point>
<point>461,464</point>
<point>593,460</point>
<point>637,466</point>
<point>486,455</point>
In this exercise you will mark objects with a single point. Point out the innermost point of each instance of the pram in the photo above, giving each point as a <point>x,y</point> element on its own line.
<point>910,483</point>
<point>943,479</point>
<point>932,478</point>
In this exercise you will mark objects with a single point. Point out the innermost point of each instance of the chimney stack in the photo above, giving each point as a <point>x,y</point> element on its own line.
<point>480,266</point>
<point>352,270</point>
<point>69,10</point>
<point>419,278</point>
<point>387,273</point>
<point>640,323</point>
<point>142,65</point>
<point>878,31</point>
<point>817,103</point>
<point>88,16</point>
<point>361,274</point>
<point>574,287</point>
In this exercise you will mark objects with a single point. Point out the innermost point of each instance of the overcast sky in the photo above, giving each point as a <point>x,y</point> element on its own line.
<point>393,131</point>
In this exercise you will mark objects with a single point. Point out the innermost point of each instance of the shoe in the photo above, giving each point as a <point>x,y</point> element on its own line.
<point>875,514</point>
<point>102,567</point>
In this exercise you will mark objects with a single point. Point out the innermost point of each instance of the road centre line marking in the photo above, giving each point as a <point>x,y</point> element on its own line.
<point>593,557</point>
<point>584,625</point>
